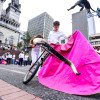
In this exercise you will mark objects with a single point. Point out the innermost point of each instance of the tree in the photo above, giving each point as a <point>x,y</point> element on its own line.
<point>19,45</point>
<point>26,39</point>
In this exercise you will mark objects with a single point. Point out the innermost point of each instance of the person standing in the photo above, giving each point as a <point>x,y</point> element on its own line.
<point>21,57</point>
<point>36,50</point>
<point>13,48</point>
<point>56,34</point>
<point>54,37</point>
<point>26,59</point>
<point>9,57</point>
<point>13,58</point>
<point>3,57</point>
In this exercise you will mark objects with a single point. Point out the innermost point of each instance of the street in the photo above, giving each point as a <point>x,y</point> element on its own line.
<point>14,74</point>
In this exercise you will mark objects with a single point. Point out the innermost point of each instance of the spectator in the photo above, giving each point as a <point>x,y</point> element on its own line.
<point>3,57</point>
<point>3,47</point>
<point>13,48</point>
<point>9,57</point>
<point>17,62</point>
<point>13,58</point>
<point>8,48</point>
<point>26,59</point>
<point>21,57</point>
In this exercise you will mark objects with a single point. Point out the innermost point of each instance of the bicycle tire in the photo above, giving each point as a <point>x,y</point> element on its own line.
<point>33,74</point>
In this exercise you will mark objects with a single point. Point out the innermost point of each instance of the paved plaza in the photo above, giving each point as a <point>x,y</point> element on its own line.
<point>13,75</point>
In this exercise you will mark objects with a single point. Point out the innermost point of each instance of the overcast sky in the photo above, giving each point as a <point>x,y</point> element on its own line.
<point>56,8</point>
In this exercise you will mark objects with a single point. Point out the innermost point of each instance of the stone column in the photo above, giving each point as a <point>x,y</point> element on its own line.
<point>1,7</point>
<point>81,22</point>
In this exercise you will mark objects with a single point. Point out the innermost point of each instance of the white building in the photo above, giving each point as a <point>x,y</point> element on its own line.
<point>94,40</point>
<point>9,22</point>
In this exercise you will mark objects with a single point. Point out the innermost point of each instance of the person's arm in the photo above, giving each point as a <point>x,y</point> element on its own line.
<point>64,35</point>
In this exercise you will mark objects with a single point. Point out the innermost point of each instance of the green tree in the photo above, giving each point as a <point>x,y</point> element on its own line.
<point>19,45</point>
<point>26,39</point>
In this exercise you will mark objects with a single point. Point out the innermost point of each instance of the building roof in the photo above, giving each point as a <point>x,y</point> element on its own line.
<point>93,35</point>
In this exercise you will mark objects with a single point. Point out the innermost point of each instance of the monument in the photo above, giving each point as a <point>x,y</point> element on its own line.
<point>81,22</point>
<point>84,19</point>
<point>83,4</point>
<point>9,22</point>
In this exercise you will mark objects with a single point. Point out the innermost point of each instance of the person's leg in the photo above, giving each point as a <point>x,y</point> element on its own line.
<point>38,55</point>
<point>13,61</point>
<point>20,61</point>
<point>34,57</point>
<point>82,6</point>
<point>24,62</point>
<point>77,3</point>
<point>10,61</point>
<point>7,60</point>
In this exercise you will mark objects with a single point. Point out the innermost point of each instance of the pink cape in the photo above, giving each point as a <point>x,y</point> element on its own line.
<point>59,76</point>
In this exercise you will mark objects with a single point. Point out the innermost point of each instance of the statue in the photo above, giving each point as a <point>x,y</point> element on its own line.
<point>3,0</point>
<point>16,3</point>
<point>98,12</point>
<point>82,4</point>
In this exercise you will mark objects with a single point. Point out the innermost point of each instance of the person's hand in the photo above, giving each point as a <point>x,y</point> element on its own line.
<point>33,46</point>
<point>49,42</point>
<point>54,44</point>
<point>69,36</point>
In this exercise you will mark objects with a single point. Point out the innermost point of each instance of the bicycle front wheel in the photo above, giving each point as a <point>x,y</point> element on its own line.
<point>31,73</point>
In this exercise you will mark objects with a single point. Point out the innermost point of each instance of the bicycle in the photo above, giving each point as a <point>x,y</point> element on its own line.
<point>51,52</point>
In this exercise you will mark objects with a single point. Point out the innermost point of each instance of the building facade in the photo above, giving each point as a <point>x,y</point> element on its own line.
<point>94,40</point>
<point>41,25</point>
<point>9,22</point>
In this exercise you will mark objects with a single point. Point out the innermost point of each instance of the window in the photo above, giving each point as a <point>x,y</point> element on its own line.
<point>11,40</point>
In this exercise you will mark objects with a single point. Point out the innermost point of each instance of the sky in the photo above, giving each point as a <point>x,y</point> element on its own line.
<point>56,8</point>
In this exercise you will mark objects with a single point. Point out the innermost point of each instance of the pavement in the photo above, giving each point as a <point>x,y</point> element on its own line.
<point>10,92</point>
<point>14,75</point>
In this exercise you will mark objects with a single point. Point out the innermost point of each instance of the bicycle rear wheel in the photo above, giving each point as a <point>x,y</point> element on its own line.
<point>31,73</point>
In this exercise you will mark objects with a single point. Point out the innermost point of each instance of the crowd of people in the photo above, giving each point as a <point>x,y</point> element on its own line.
<point>7,47</point>
<point>9,58</point>
<point>53,37</point>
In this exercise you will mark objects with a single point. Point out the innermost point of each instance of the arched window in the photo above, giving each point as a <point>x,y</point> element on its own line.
<point>11,40</point>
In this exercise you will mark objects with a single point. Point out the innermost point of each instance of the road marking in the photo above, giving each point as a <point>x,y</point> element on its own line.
<point>10,70</point>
